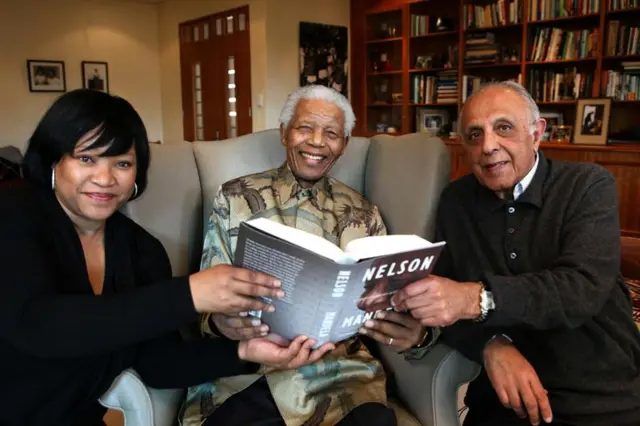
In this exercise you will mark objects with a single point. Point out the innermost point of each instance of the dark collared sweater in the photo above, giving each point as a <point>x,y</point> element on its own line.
<point>552,260</point>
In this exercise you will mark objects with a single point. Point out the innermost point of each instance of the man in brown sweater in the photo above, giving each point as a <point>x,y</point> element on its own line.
<point>529,285</point>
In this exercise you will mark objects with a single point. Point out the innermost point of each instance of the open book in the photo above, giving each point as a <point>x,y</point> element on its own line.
<point>330,292</point>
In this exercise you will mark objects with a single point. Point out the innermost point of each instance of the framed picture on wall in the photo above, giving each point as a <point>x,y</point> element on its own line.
<point>95,75</point>
<point>46,76</point>
<point>431,121</point>
<point>592,121</point>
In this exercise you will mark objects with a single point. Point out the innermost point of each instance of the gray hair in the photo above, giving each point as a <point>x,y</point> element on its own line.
<point>323,93</point>
<point>518,89</point>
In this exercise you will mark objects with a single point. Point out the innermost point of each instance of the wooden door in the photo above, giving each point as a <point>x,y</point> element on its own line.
<point>215,68</point>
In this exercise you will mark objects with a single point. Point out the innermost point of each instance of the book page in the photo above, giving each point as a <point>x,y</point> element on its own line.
<point>309,282</point>
<point>384,245</point>
<point>298,237</point>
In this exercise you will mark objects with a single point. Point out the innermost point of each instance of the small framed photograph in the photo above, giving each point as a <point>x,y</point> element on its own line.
<point>560,134</point>
<point>592,121</point>
<point>95,76</point>
<point>431,120</point>
<point>46,76</point>
<point>552,119</point>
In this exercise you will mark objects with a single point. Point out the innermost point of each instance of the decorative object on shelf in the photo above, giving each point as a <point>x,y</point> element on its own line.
<point>552,119</point>
<point>46,76</point>
<point>396,98</point>
<point>95,75</point>
<point>424,62</point>
<point>381,93</point>
<point>432,121</point>
<point>323,56</point>
<point>592,121</point>
<point>444,23</point>
<point>561,134</point>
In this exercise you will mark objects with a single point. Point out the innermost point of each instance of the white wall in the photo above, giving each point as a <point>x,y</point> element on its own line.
<point>123,34</point>
<point>274,51</point>
<point>283,20</point>
<point>173,12</point>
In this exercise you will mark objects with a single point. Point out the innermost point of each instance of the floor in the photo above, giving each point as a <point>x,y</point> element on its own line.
<point>114,418</point>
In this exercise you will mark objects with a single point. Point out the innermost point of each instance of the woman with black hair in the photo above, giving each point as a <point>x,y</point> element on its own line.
<point>86,293</point>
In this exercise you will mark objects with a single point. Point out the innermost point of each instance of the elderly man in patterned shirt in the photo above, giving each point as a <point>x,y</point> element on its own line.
<point>341,384</point>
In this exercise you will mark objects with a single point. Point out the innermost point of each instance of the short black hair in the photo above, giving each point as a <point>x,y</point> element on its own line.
<point>72,116</point>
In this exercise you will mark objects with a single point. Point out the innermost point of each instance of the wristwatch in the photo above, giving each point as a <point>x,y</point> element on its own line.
<point>487,303</point>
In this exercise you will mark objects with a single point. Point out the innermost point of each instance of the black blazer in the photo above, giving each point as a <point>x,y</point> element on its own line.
<point>60,345</point>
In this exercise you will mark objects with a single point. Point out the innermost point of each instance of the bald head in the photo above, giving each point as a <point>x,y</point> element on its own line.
<point>501,130</point>
<point>499,87</point>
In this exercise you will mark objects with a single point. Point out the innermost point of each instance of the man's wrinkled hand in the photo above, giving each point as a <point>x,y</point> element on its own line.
<point>438,302</point>
<point>396,330</point>
<point>297,354</point>
<point>239,327</point>
<point>516,382</point>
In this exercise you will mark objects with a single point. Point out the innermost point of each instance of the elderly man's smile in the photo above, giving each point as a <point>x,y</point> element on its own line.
<point>312,159</point>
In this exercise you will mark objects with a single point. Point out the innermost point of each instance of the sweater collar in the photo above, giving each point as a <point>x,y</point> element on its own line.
<point>487,202</point>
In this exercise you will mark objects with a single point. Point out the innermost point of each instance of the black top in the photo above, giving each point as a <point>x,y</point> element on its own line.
<point>552,260</point>
<point>60,345</point>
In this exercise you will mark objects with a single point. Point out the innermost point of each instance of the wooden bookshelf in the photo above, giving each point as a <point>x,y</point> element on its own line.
<point>387,39</point>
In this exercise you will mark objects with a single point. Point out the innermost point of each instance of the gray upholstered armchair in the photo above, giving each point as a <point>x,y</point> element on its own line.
<point>403,175</point>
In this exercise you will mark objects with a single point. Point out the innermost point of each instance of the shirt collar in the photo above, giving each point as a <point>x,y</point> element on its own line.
<point>522,186</point>
<point>487,202</point>
<point>287,186</point>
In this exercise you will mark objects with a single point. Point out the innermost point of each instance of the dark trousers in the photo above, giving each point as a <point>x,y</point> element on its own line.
<point>502,417</point>
<point>256,407</point>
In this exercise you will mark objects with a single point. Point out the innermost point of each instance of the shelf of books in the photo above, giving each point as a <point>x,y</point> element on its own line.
<point>424,58</point>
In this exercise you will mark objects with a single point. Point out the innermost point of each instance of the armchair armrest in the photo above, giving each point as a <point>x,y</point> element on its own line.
<point>429,386</point>
<point>142,406</point>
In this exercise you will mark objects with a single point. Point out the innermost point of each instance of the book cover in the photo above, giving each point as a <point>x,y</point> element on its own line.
<point>329,296</point>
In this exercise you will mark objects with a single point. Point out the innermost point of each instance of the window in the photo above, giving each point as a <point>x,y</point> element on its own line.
<point>231,106</point>
<point>197,96</point>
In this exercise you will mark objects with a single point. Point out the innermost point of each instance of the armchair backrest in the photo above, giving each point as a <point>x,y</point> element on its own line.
<point>403,175</point>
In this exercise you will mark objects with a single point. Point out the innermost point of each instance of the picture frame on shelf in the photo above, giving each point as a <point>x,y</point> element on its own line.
<point>46,76</point>
<point>95,75</point>
<point>552,119</point>
<point>592,121</point>
<point>430,120</point>
<point>560,134</point>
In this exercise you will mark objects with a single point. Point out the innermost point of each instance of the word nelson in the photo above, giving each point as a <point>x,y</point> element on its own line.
<point>393,269</point>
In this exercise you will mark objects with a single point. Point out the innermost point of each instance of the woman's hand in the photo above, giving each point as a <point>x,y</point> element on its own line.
<point>239,327</point>
<point>396,330</point>
<point>227,289</point>
<point>297,354</point>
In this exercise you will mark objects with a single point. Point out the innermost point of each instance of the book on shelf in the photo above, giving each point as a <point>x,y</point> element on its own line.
<point>330,292</point>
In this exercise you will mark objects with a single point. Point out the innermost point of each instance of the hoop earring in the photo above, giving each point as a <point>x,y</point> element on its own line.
<point>53,178</point>
<point>135,191</point>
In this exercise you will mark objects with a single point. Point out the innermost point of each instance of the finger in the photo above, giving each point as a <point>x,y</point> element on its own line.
<point>379,337</point>
<point>294,347</point>
<point>238,303</point>
<point>389,329</point>
<point>530,403</point>
<point>246,288</point>
<point>254,277</point>
<point>401,319</point>
<point>240,322</point>
<point>247,333</point>
<point>514,400</point>
<point>503,396</point>
<point>543,400</point>
<point>317,354</point>
<point>302,357</point>
<point>279,340</point>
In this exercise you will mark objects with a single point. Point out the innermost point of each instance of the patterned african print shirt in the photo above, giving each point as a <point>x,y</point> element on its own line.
<point>320,394</point>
